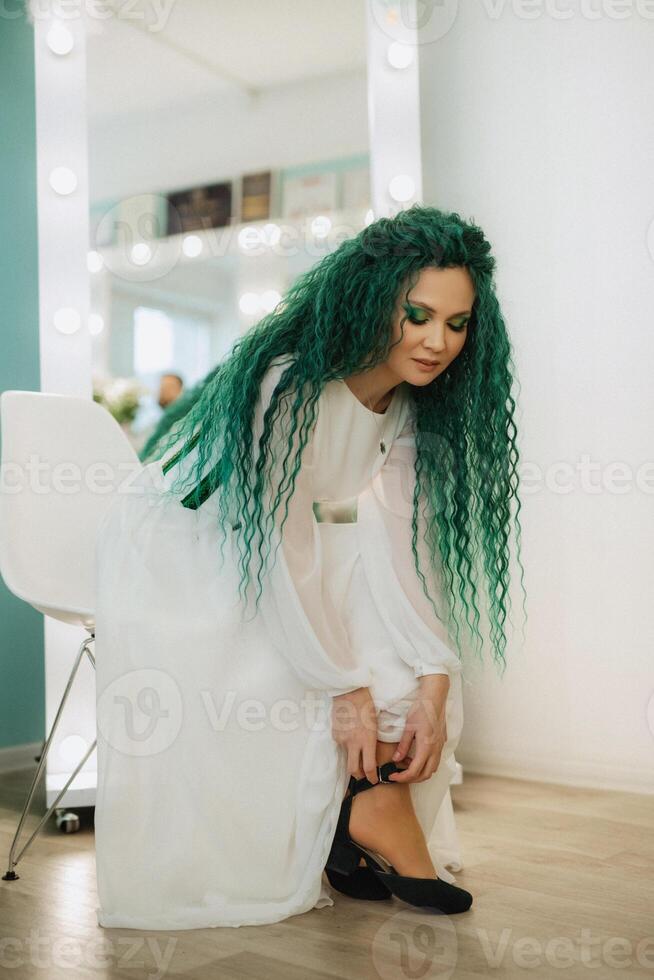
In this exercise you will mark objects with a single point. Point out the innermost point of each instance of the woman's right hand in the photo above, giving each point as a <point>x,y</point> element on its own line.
<point>354,725</point>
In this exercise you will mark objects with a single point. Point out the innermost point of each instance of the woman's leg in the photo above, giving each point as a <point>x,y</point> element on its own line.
<point>383,819</point>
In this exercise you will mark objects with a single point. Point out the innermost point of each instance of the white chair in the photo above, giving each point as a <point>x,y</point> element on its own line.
<point>63,461</point>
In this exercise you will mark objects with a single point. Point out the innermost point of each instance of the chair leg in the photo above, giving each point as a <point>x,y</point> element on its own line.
<point>10,874</point>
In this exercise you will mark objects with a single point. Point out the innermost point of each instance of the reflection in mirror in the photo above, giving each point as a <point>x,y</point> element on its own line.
<point>224,160</point>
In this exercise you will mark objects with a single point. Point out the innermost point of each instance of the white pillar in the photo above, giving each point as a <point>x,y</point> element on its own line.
<point>63,219</point>
<point>65,358</point>
<point>393,106</point>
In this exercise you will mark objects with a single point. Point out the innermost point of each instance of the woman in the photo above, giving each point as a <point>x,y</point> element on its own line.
<point>354,458</point>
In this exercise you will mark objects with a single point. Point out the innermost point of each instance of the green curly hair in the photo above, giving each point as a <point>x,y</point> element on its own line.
<point>466,454</point>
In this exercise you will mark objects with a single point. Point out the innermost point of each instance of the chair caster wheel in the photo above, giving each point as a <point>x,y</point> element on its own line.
<point>67,822</point>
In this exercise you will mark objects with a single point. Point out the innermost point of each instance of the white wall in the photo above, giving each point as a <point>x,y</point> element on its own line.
<point>542,131</point>
<point>321,119</point>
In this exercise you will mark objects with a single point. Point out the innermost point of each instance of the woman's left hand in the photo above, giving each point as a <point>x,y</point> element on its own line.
<point>426,724</point>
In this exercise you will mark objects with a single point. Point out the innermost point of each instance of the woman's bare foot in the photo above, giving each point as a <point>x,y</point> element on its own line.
<point>383,820</point>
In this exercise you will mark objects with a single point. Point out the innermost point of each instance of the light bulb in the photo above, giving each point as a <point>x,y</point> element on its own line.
<point>67,320</point>
<point>271,233</point>
<point>192,246</point>
<point>59,39</point>
<point>320,226</point>
<point>249,303</point>
<point>402,187</point>
<point>141,253</point>
<point>96,324</point>
<point>249,238</point>
<point>63,180</point>
<point>399,55</point>
<point>94,261</point>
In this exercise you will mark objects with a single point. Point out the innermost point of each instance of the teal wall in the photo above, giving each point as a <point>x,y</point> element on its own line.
<point>22,681</point>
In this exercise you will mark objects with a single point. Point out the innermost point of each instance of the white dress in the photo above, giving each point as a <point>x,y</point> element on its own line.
<point>219,782</point>
<point>346,455</point>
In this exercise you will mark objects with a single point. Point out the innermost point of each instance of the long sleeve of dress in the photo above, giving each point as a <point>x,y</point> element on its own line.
<point>300,612</point>
<point>385,512</point>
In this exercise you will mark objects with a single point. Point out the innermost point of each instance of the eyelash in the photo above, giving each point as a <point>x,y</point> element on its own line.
<point>458,329</point>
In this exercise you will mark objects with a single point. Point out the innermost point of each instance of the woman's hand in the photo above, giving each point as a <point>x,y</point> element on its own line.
<point>354,725</point>
<point>426,724</point>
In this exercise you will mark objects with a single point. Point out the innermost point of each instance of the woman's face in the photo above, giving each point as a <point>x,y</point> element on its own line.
<point>436,316</point>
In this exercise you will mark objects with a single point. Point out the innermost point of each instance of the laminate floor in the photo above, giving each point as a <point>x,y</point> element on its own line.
<point>562,879</point>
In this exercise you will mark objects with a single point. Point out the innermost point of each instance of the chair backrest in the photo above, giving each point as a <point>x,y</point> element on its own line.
<point>63,462</point>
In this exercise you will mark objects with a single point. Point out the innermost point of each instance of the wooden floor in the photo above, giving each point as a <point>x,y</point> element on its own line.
<point>562,879</point>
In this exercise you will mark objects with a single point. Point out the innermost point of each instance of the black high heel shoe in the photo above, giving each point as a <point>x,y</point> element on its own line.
<point>431,894</point>
<point>360,883</point>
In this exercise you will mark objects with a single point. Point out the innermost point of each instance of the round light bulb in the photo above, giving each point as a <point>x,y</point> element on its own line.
<point>141,253</point>
<point>192,246</point>
<point>63,180</point>
<point>402,187</point>
<point>320,226</point>
<point>249,238</point>
<point>249,303</point>
<point>399,55</point>
<point>59,39</point>
<point>67,320</point>
<point>271,233</point>
<point>96,324</point>
<point>94,261</point>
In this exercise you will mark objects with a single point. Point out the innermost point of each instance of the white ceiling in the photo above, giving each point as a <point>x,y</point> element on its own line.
<point>212,48</point>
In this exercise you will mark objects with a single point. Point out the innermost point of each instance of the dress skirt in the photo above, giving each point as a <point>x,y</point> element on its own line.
<point>219,781</point>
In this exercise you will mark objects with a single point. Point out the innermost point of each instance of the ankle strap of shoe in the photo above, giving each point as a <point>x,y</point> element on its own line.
<point>383,772</point>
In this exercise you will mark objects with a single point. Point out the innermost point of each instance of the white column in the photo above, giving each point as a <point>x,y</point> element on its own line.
<point>63,218</point>
<point>63,242</point>
<point>393,106</point>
